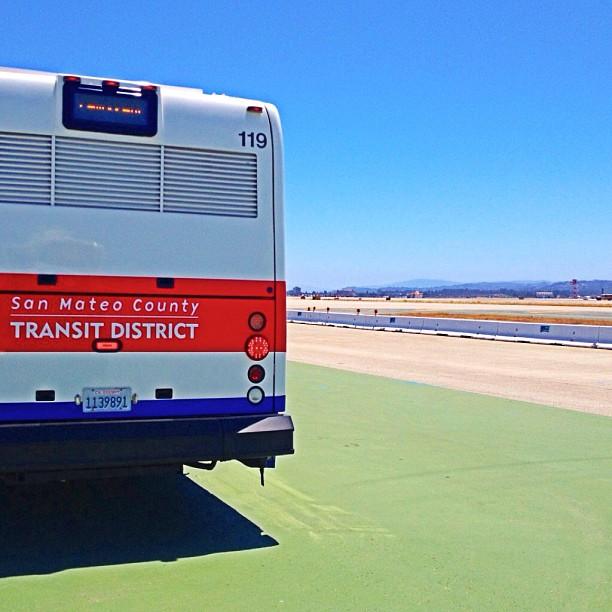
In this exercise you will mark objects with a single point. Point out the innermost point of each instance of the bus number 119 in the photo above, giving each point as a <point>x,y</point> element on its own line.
<point>251,139</point>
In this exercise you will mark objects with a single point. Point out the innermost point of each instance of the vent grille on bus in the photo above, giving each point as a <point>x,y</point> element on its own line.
<point>100,174</point>
<point>210,182</point>
<point>92,173</point>
<point>25,169</point>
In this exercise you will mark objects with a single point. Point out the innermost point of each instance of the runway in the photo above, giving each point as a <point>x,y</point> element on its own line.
<point>570,311</point>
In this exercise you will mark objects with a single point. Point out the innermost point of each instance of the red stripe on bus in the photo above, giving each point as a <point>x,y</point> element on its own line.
<point>204,315</point>
<point>137,285</point>
<point>280,316</point>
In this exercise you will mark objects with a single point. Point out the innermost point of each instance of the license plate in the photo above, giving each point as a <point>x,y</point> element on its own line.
<point>107,399</point>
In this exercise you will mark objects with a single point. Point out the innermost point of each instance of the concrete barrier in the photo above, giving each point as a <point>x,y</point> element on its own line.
<point>604,339</point>
<point>517,331</point>
<point>411,324</point>
<point>549,333</point>
<point>487,329</point>
<point>340,318</point>
<point>430,326</point>
<point>463,327</point>
<point>553,333</point>
<point>584,334</point>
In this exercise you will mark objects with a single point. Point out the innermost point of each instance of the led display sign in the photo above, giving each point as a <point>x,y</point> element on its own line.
<point>110,109</point>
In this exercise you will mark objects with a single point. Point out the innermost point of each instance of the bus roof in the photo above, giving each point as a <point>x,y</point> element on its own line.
<point>179,89</point>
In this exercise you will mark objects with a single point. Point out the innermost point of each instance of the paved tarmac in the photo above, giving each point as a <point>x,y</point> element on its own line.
<point>400,497</point>
<point>560,376</point>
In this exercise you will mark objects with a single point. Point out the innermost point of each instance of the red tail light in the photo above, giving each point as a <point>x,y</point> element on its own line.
<point>110,84</point>
<point>257,347</point>
<point>69,78</point>
<point>256,373</point>
<point>255,109</point>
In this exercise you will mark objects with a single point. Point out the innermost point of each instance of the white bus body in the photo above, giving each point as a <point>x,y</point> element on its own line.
<point>141,277</point>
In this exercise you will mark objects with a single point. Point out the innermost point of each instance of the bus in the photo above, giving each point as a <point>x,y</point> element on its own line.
<point>142,293</point>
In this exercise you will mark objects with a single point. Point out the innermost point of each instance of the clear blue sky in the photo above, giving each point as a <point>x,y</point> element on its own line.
<point>451,140</point>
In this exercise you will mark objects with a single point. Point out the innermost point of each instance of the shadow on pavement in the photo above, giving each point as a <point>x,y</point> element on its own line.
<point>53,527</point>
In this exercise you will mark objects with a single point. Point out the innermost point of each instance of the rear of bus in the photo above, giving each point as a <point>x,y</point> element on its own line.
<point>142,296</point>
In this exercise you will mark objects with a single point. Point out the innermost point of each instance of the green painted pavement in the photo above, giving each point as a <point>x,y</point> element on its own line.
<point>401,496</point>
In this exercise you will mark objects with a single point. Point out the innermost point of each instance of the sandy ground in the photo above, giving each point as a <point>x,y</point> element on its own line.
<point>565,377</point>
<point>555,308</point>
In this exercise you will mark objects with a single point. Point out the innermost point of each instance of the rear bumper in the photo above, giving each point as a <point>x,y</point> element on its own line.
<point>49,447</point>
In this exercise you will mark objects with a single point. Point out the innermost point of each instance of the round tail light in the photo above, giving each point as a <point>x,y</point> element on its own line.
<point>256,374</point>
<point>255,395</point>
<point>257,321</point>
<point>257,347</point>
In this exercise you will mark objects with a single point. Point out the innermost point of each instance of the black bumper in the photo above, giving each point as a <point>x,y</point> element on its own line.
<point>44,447</point>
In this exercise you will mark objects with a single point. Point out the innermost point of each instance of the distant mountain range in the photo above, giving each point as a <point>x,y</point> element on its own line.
<point>517,287</point>
<point>442,288</point>
<point>420,283</point>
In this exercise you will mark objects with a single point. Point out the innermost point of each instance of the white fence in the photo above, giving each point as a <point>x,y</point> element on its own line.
<point>547,333</point>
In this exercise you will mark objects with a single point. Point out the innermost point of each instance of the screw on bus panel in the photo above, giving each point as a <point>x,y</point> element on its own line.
<point>78,400</point>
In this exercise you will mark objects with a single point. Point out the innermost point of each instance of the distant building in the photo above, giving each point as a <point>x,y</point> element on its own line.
<point>346,292</point>
<point>545,294</point>
<point>296,291</point>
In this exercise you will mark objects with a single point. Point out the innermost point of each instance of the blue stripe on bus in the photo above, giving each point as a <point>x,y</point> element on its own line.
<point>63,411</point>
